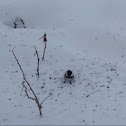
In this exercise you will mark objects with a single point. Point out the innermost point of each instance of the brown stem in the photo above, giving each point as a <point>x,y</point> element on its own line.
<point>44,51</point>
<point>37,60</point>
<point>45,99</point>
<point>25,80</point>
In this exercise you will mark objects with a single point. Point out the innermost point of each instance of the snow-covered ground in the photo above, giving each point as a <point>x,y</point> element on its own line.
<point>85,36</point>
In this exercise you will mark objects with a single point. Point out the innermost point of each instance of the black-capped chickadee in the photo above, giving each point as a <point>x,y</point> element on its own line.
<point>68,76</point>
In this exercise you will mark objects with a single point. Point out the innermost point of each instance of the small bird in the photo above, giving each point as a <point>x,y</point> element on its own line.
<point>68,76</point>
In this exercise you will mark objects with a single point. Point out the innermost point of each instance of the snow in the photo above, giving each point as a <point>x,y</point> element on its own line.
<point>85,36</point>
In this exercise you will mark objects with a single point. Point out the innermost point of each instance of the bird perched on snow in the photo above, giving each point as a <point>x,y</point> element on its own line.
<point>68,76</point>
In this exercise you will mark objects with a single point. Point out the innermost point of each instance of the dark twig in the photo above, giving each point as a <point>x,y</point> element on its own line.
<point>44,51</point>
<point>27,91</point>
<point>45,99</point>
<point>38,61</point>
<point>44,41</point>
<point>23,23</point>
<point>22,89</point>
<point>25,80</point>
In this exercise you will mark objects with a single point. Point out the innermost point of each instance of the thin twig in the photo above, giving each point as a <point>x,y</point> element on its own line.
<point>40,38</point>
<point>45,99</point>
<point>37,60</point>
<point>27,91</point>
<point>44,51</point>
<point>22,89</point>
<point>44,41</point>
<point>25,80</point>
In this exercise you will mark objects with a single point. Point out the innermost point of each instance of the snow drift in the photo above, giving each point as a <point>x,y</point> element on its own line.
<point>85,36</point>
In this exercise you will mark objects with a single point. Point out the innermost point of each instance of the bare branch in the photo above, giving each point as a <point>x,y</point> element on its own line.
<point>44,51</point>
<point>45,41</point>
<point>17,61</point>
<point>37,60</point>
<point>21,90</point>
<point>45,99</point>
<point>25,80</point>
<point>40,38</point>
<point>27,91</point>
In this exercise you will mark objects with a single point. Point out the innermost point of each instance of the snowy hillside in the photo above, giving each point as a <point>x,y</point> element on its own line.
<point>87,37</point>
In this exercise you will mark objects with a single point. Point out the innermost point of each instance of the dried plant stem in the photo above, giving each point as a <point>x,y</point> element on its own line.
<point>25,80</point>
<point>37,60</point>
<point>44,51</point>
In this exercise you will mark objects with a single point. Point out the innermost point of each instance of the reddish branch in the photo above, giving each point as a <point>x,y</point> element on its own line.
<point>45,41</point>
<point>25,80</point>
<point>45,99</point>
<point>37,60</point>
<point>44,51</point>
<point>44,38</point>
<point>27,91</point>
<point>39,105</point>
